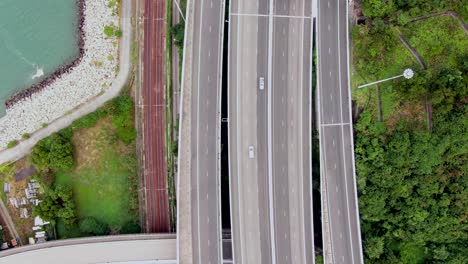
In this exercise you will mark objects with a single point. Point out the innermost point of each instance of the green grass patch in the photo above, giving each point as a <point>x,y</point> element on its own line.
<point>102,180</point>
<point>102,192</point>
<point>439,40</point>
<point>378,54</point>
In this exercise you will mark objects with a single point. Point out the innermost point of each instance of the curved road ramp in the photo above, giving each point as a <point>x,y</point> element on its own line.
<point>154,249</point>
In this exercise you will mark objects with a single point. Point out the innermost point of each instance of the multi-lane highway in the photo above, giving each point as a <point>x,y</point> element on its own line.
<point>205,113</point>
<point>343,242</point>
<point>155,173</point>
<point>271,191</point>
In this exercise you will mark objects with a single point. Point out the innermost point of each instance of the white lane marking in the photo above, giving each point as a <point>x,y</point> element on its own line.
<point>329,50</point>
<point>334,124</point>
<point>328,27</point>
<point>210,29</point>
<point>334,142</point>
<point>328,4</point>
<point>274,16</point>
<point>330,74</point>
<point>209,53</point>
<point>336,188</point>
<point>270,137</point>
<point>198,137</point>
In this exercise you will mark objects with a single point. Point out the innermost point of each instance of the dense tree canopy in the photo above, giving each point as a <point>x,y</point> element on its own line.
<point>58,203</point>
<point>414,190</point>
<point>54,152</point>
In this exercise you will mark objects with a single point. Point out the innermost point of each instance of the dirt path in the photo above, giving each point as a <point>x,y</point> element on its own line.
<point>5,216</point>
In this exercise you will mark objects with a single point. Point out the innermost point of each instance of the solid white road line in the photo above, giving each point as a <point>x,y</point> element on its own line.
<point>270,139</point>
<point>272,15</point>
<point>198,135</point>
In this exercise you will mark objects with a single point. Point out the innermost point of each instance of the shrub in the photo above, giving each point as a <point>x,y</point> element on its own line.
<point>12,143</point>
<point>91,225</point>
<point>25,136</point>
<point>44,125</point>
<point>130,227</point>
<point>118,33</point>
<point>109,31</point>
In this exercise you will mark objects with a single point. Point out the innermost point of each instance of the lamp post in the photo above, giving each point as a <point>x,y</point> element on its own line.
<point>407,73</point>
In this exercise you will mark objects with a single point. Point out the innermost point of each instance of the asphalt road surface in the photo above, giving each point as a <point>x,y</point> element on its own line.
<point>205,116</point>
<point>271,192</point>
<point>336,133</point>
<point>155,173</point>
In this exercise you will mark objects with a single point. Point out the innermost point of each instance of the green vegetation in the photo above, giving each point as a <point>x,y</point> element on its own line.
<point>439,40</point>
<point>171,157</point>
<point>91,226</point>
<point>12,143</point>
<point>57,203</point>
<point>402,10</point>
<point>54,153</point>
<point>44,125</point>
<point>112,31</point>
<point>412,183</point>
<point>89,173</point>
<point>26,136</point>
<point>177,32</point>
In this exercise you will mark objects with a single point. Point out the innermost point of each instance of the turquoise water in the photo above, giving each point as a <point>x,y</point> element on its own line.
<point>35,36</point>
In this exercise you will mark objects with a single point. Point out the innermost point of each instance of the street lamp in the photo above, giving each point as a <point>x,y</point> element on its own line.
<point>407,73</point>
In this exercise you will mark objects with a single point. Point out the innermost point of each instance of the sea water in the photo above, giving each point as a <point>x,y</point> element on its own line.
<point>36,37</point>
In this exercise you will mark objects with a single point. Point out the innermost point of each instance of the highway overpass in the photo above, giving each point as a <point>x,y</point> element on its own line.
<point>271,204</point>
<point>199,188</point>
<point>152,248</point>
<point>340,212</point>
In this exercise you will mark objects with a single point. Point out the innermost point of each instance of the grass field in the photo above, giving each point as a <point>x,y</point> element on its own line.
<point>439,40</point>
<point>101,179</point>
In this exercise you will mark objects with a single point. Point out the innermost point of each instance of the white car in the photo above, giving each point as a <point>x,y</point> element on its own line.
<point>261,83</point>
<point>251,152</point>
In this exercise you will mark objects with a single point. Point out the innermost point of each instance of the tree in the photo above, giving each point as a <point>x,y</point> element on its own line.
<point>91,225</point>
<point>58,203</point>
<point>54,152</point>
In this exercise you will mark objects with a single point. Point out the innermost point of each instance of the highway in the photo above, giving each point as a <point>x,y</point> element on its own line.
<point>336,136</point>
<point>155,172</point>
<point>205,137</point>
<point>271,192</point>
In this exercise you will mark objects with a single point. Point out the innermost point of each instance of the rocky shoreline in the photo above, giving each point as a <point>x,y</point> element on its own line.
<point>26,93</point>
<point>73,84</point>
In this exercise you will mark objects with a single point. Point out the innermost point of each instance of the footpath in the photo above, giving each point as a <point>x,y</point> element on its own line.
<point>24,147</point>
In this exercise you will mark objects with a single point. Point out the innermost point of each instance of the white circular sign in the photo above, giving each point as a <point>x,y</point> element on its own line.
<point>408,73</point>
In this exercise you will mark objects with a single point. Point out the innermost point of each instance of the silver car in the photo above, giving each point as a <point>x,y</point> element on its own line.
<point>251,152</point>
<point>261,83</point>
